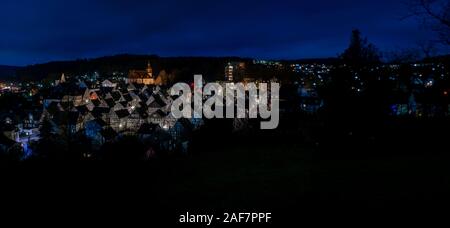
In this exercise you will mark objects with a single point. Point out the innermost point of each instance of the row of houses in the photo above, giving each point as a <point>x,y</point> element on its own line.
<point>104,113</point>
<point>117,108</point>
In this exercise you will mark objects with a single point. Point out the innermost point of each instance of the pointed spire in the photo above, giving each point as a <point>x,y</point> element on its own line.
<point>149,69</point>
<point>63,78</point>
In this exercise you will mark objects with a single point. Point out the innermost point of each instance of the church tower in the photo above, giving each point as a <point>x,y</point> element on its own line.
<point>63,78</point>
<point>142,76</point>
<point>149,70</point>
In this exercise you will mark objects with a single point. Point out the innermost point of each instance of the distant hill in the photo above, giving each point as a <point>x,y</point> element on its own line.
<point>8,72</point>
<point>211,67</point>
<point>314,60</point>
<point>183,67</point>
<point>440,58</point>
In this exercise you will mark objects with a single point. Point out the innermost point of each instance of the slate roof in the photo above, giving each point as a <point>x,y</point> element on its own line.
<point>116,95</point>
<point>122,113</point>
<point>158,114</point>
<point>158,102</point>
<point>110,102</point>
<point>96,102</point>
<point>127,97</point>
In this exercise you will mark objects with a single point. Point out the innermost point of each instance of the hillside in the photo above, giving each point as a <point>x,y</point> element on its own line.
<point>183,67</point>
<point>210,66</point>
<point>8,72</point>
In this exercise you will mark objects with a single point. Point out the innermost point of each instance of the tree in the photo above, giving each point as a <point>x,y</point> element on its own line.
<point>360,52</point>
<point>127,148</point>
<point>427,48</point>
<point>434,14</point>
<point>13,154</point>
<point>50,146</point>
<point>46,129</point>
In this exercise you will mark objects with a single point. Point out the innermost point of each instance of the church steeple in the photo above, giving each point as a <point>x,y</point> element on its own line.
<point>142,76</point>
<point>149,69</point>
<point>63,78</point>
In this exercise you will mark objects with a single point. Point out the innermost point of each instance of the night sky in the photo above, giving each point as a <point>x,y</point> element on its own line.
<point>34,31</point>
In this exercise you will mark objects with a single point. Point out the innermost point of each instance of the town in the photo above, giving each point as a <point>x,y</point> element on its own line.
<point>241,112</point>
<point>234,96</point>
<point>104,108</point>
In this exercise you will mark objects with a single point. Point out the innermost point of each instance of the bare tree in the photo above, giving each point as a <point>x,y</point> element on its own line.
<point>435,15</point>
<point>360,52</point>
<point>427,48</point>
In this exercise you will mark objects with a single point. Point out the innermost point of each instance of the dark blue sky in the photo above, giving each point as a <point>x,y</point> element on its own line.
<point>36,31</point>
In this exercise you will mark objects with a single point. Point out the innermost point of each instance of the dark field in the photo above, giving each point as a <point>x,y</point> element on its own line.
<point>399,167</point>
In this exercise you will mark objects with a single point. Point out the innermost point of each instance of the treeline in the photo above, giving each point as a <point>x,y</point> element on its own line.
<point>211,67</point>
<point>183,68</point>
<point>8,73</point>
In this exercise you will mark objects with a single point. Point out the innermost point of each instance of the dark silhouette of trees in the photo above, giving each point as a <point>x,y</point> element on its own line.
<point>360,52</point>
<point>46,130</point>
<point>126,148</point>
<point>80,148</point>
<point>12,154</point>
<point>404,56</point>
<point>435,14</point>
<point>354,98</point>
<point>50,146</point>
<point>427,48</point>
<point>11,102</point>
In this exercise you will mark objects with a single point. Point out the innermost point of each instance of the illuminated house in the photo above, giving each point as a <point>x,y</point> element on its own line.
<point>234,71</point>
<point>142,76</point>
<point>104,113</point>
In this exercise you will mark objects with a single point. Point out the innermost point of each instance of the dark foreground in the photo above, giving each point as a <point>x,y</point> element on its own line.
<point>397,170</point>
